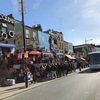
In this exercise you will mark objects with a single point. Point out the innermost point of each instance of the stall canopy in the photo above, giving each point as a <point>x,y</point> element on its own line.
<point>82,58</point>
<point>70,57</point>
<point>35,53</point>
<point>7,45</point>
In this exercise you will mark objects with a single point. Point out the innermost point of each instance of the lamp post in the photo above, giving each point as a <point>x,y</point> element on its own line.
<point>22,12</point>
<point>88,40</point>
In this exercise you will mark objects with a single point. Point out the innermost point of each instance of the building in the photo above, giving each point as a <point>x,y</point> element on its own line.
<point>56,41</point>
<point>31,37</point>
<point>44,41</point>
<point>7,29</point>
<point>70,48</point>
<point>65,47</point>
<point>18,35</point>
<point>84,49</point>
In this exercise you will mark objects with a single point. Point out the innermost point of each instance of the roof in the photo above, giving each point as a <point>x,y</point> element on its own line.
<point>94,52</point>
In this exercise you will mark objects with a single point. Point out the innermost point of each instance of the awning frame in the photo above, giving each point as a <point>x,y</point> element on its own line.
<point>70,57</point>
<point>2,45</point>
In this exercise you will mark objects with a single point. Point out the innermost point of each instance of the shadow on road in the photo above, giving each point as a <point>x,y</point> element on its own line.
<point>12,89</point>
<point>88,71</point>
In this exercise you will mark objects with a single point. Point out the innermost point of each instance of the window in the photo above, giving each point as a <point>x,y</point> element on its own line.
<point>4,29</point>
<point>94,58</point>
<point>34,36</point>
<point>27,34</point>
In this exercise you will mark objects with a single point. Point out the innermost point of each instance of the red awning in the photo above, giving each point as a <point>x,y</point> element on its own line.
<point>35,53</point>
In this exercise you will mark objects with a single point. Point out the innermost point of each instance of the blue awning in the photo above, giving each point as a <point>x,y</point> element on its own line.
<point>7,45</point>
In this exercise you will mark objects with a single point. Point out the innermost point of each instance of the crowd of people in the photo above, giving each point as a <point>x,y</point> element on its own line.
<point>54,70</point>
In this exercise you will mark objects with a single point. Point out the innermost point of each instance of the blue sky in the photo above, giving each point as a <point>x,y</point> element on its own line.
<point>77,19</point>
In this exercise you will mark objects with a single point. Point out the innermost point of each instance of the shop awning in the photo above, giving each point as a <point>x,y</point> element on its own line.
<point>82,58</point>
<point>35,53</point>
<point>7,45</point>
<point>70,57</point>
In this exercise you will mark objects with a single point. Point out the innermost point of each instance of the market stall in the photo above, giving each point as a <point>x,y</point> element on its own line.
<point>6,64</point>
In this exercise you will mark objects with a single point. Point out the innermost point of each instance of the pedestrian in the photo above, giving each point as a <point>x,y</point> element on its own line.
<point>53,71</point>
<point>74,64</point>
<point>33,70</point>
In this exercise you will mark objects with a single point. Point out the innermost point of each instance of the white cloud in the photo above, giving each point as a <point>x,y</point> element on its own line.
<point>72,30</point>
<point>92,3</point>
<point>37,4</point>
<point>75,1</point>
<point>15,5</point>
<point>91,11</point>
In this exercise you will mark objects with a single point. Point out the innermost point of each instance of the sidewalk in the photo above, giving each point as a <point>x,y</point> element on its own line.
<point>18,88</point>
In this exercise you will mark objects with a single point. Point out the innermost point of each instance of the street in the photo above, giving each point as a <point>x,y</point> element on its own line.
<point>84,85</point>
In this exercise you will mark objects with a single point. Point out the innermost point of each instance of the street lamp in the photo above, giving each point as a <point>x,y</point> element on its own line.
<point>88,40</point>
<point>21,2</point>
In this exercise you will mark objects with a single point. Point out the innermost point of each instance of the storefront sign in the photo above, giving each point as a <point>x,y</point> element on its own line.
<point>26,54</point>
<point>6,19</point>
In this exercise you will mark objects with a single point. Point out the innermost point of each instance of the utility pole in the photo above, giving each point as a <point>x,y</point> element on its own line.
<point>22,9</point>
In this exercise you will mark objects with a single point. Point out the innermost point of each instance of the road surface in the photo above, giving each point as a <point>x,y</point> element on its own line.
<point>84,85</point>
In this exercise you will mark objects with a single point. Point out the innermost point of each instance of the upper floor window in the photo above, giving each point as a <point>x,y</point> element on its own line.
<point>61,38</point>
<point>58,38</point>
<point>34,35</point>
<point>4,29</point>
<point>27,34</point>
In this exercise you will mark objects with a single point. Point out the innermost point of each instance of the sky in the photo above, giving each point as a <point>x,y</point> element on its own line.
<point>78,20</point>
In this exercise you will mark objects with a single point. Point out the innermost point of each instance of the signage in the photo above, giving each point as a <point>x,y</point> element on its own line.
<point>6,19</point>
<point>26,54</point>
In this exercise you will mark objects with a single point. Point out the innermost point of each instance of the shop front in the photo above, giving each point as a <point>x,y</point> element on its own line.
<point>6,64</point>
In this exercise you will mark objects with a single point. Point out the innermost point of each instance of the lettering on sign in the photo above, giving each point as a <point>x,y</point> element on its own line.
<point>6,19</point>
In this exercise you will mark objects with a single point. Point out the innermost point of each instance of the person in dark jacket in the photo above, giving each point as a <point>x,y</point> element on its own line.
<point>53,71</point>
<point>33,71</point>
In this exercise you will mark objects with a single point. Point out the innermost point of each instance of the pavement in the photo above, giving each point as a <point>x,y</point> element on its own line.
<point>9,91</point>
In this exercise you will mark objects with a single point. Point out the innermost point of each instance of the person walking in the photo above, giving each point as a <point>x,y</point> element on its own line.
<point>53,71</point>
<point>33,71</point>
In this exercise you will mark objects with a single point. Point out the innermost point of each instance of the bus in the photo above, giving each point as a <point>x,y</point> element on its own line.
<point>94,60</point>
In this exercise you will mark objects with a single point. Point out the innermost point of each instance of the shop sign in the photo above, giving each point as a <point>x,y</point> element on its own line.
<point>6,19</point>
<point>26,54</point>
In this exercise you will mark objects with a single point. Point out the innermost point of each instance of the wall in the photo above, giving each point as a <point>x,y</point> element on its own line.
<point>44,40</point>
<point>70,47</point>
